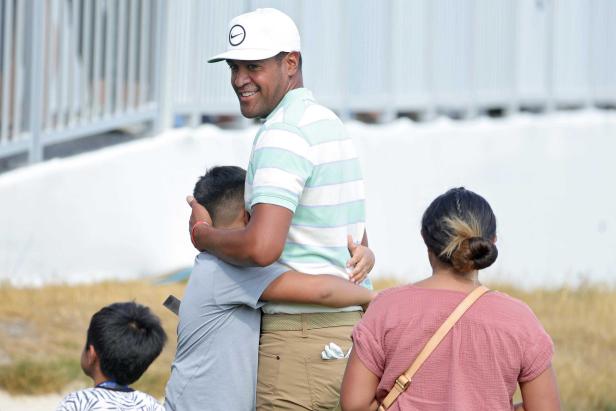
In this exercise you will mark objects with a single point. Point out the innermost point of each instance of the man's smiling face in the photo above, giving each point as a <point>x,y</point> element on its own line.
<point>259,85</point>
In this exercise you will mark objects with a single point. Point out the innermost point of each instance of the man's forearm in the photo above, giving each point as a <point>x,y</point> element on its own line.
<point>260,242</point>
<point>233,246</point>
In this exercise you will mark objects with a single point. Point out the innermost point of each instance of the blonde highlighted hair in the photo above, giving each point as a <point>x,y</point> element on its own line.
<point>459,230</point>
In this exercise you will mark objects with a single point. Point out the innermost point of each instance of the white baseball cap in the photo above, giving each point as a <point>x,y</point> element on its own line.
<point>259,35</point>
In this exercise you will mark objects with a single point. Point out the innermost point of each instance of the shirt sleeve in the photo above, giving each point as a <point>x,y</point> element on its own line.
<point>279,167</point>
<point>154,405</point>
<point>367,339</point>
<point>69,403</point>
<point>538,351</point>
<point>244,285</point>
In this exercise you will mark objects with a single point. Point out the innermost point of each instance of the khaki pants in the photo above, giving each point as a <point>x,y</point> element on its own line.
<point>292,375</point>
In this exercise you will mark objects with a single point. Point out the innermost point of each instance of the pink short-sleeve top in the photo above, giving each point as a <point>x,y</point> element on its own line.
<point>496,344</point>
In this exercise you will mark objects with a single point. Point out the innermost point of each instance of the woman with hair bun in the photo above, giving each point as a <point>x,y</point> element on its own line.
<point>497,344</point>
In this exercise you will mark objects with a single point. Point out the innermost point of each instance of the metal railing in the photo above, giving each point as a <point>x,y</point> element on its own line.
<point>423,55</point>
<point>73,68</point>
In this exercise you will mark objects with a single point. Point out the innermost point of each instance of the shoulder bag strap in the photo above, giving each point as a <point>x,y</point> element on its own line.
<point>404,380</point>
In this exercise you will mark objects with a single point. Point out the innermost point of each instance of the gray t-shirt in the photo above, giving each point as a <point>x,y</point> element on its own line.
<point>215,366</point>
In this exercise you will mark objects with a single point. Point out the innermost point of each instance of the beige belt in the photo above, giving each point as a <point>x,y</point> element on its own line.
<point>298,322</point>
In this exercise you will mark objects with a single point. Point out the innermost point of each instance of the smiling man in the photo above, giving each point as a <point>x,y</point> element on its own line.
<point>305,192</point>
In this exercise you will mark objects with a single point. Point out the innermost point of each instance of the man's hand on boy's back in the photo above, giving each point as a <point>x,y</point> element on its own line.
<point>361,262</point>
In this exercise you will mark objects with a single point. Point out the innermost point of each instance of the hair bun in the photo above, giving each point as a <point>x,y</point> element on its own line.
<point>474,253</point>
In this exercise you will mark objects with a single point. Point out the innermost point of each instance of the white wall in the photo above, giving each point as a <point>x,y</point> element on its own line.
<point>120,212</point>
<point>548,179</point>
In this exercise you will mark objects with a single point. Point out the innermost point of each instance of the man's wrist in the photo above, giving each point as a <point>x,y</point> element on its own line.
<point>193,232</point>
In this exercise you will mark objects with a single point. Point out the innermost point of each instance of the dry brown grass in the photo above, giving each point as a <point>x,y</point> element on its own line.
<point>581,323</point>
<point>42,332</point>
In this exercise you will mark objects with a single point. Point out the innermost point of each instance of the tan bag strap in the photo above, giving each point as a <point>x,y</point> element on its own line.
<point>404,380</point>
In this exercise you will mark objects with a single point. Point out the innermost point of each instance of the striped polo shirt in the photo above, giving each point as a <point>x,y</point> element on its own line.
<point>302,159</point>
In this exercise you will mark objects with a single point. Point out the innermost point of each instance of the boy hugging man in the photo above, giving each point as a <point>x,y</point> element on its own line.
<point>215,366</point>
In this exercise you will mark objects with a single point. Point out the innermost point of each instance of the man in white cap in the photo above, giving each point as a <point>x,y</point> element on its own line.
<point>305,193</point>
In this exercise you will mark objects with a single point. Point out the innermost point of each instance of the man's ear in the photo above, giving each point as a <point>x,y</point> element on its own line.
<point>246,217</point>
<point>292,62</point>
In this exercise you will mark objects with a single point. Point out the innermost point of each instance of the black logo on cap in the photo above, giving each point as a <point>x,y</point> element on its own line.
<point>237,34</point>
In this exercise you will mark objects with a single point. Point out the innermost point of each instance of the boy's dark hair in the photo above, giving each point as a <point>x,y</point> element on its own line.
<point>221,192</point>
<point>127,337</point>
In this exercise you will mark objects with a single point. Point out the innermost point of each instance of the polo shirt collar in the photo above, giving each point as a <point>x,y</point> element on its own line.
<point>301,93</point>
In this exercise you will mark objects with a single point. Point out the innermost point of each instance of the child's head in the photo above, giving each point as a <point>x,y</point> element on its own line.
<point>459,228</point>
<point>221,192</point>
<point>123,339</point>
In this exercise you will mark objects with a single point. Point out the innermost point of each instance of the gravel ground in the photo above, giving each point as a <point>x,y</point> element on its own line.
<point>29,403</point>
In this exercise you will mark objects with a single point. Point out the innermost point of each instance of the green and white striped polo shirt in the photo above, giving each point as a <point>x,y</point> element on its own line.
<point>303,159</point>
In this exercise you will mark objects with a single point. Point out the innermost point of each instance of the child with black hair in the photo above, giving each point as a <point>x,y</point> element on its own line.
<point>123,340</point>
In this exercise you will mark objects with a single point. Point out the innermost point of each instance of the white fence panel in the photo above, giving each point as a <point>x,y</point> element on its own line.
<point>197,31</point>
<point>411,56</point>
<point>76,68</point>
<point>533,61</point>
<point>367,51</point>
<point>323,46</point>
<point>7,69</point>
<point>493,53</point>
<point>572,51</point>
<point>73,68</point>
<point>603,54</point>
<point>451,57</point>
